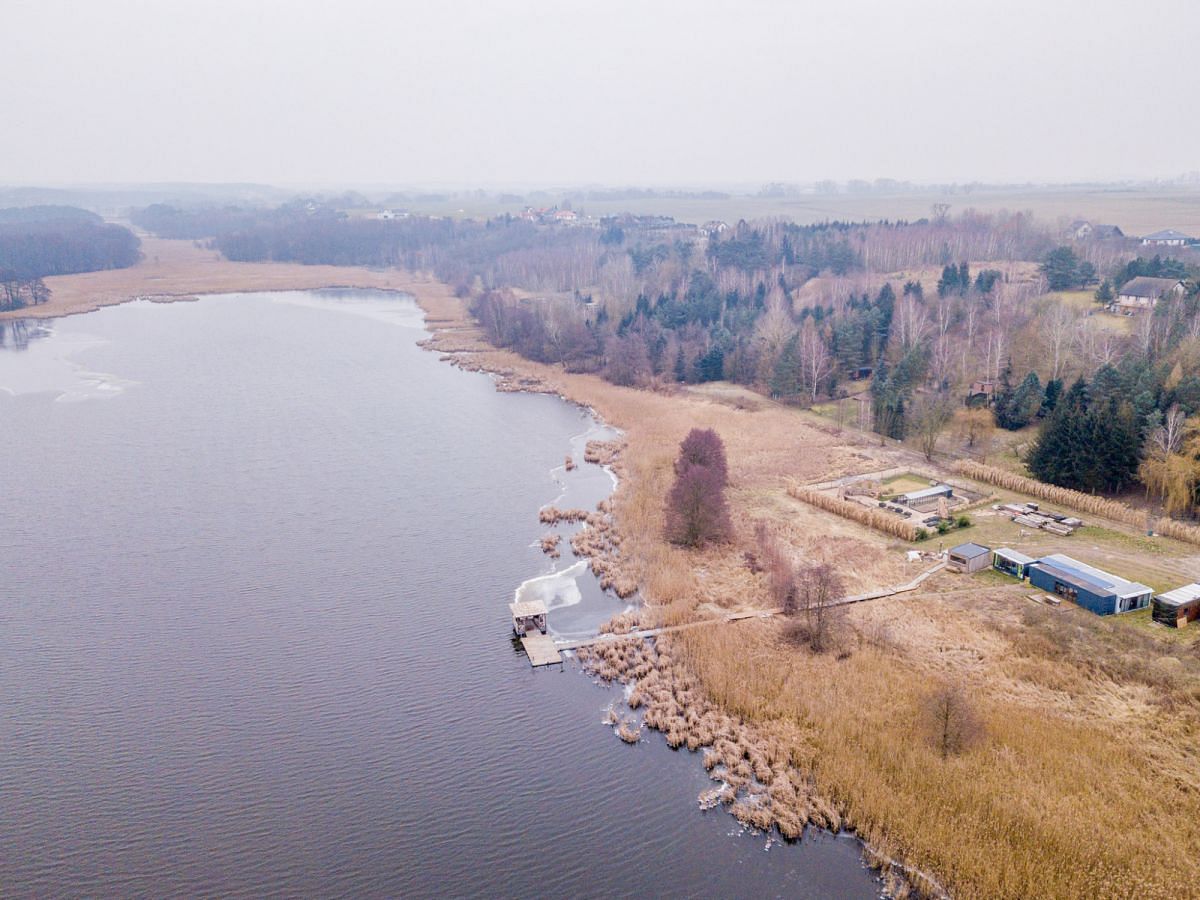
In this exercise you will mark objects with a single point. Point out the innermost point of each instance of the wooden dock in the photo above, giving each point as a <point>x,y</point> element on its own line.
<point>544,650</point>
<point>541,650</point>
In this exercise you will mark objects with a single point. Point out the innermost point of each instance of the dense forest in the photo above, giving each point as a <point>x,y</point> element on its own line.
<point>904,314</point>
<point>38,241</point>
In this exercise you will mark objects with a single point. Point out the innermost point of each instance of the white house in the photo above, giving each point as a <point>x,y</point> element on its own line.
<point>1144,292</point>
<point>1166,238</point>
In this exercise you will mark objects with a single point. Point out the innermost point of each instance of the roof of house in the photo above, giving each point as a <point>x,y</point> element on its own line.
<point>938,490</point>
<point>1107,231</point>
<point>525,608</point>
<point>1015,556</point>
<point>1089,577</point>
<point>969,550</point>
<point>1167,234</point>
<point>1181,596</point>
<point>1145,286</point>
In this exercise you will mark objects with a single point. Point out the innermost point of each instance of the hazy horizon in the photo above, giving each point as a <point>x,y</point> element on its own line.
<point>666,94</point>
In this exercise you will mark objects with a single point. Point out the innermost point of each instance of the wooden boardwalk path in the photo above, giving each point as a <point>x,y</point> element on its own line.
<point>544,650</point>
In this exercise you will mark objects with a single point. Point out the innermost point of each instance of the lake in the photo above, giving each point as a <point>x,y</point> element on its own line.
<point>256,554</point>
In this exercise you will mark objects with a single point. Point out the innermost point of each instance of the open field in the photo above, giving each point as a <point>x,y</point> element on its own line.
<point>1136,210</point>
<point>1086,782</point>
<point>1085,302</point>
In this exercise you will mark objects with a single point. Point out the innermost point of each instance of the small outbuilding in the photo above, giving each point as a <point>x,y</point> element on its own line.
<point>1012,562</point>
<point>969,558</point>
<point>529,616</point>
<point>1094,589</point>
<point>915,498</point>
<point>1178,607</point>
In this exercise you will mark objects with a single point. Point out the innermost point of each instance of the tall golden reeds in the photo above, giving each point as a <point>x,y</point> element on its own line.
<point>1076,500</point>
<point>888,523</point>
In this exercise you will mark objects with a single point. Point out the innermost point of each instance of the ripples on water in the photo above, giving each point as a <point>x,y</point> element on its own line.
<point>254,628</point>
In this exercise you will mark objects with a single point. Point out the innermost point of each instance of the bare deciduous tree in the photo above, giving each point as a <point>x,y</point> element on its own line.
<point>1057,329</point>
<point>933,413</point>
<point>817,616</point>
<point>951,723</point>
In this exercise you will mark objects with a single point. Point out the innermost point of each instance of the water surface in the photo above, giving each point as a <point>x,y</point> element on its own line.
<point>255,559</point>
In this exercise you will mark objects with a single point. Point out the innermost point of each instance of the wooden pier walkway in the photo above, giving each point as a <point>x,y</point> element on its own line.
<point>544,650</point>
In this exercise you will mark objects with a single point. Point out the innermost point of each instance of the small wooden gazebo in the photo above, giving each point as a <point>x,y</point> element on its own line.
<point>528,616</point>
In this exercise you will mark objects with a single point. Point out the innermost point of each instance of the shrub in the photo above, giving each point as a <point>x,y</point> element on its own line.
<point>703,447</point>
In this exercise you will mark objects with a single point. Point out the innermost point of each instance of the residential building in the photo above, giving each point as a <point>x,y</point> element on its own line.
<point>1144,292</point>
<point>1168,237</point>
<point>1094,589</point>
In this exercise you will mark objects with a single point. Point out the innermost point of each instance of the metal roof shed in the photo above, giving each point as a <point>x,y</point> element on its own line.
<point>969,558</point>
<point>1178,607</point>
<point>1012,562</point>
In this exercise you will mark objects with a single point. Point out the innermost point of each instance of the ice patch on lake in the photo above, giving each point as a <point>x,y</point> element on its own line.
<point>47,366</point>
<point>556,590</point>
<point>392,307</point>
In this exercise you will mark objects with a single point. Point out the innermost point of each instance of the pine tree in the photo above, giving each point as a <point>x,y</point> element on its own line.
<point>785,380</point>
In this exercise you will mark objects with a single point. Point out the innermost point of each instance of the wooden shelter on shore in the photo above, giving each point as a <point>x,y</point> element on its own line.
<point>529,617</point>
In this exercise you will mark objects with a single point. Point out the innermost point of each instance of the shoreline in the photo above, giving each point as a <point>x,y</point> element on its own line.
<point>178,271</point>
<point>657,691</point>
<point>851,724</point>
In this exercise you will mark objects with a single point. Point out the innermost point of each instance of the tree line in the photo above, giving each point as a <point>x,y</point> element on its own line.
<point>39,241</point>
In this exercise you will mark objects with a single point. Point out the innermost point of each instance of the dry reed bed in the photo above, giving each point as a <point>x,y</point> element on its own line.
<point>888,523</point>
<point>1029,813</point>
<point>1077,500</point>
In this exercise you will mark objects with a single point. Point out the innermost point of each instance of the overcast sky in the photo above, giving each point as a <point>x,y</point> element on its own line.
<point>555,92</point>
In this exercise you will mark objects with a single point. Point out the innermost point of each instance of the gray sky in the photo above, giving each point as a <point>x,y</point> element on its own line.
<point>564,92</point>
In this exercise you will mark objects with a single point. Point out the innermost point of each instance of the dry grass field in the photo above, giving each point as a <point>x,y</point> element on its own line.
<point>1137,210</point>
<point>1086,782</point>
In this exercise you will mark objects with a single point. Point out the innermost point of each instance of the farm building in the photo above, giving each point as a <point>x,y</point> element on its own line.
<point>1167,238</point>
<point>1144,292</point>
<point>1178,607</point>
<point>915,498</point>
<point>969,558</point>
<point>1092,588</point>
<point>981,393</point>
<point>1012,562</point>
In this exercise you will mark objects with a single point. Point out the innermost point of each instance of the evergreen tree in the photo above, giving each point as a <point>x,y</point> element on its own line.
<point>1050,398</point>
<point>1003,396</point>
<point>949,280</point>
<point>1026,401</point>
<point>785,380</point>
<point>1061,268</point>
<point>1091,442</point>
